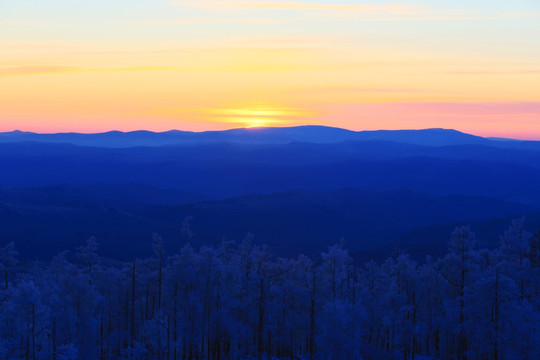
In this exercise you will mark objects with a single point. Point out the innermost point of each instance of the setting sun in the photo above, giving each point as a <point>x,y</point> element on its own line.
<point>256,116</point>
<point>270,63</point>
<point>251,123</point>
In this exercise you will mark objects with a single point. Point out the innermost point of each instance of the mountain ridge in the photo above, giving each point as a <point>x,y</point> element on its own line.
<point>264,135</point>
<point>290,222</point>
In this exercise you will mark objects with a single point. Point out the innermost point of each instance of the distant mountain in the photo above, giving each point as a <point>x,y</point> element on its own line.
<point>41,231</point>
<point>221,170</point>
<point>426,137</point>
<point>308,221</point>
<point>117,195</point>
<point>292,222</point>
<point>118,139</point>
<point>55,192</point>
<point>111,139</point>
<point>284,135</point>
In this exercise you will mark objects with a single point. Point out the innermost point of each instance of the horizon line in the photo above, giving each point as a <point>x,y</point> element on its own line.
<point>255,128</point>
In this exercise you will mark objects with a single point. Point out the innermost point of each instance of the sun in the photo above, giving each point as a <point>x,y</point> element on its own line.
<point>256,116</point>
<point>258,122</point>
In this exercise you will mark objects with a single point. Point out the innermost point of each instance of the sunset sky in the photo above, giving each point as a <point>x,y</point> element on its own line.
<point>91,66</point>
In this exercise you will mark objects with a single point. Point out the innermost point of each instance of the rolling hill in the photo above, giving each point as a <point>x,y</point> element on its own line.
<point>310,133</point>
<point>298,189</point>
<point>292,222</point>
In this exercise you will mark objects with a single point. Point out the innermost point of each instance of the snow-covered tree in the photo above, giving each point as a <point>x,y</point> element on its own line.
<point>237,301</point>
<point>8,259</point>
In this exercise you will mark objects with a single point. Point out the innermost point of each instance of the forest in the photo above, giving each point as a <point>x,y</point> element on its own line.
<point>238,301</point>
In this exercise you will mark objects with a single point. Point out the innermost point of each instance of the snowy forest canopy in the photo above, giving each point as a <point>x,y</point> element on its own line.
<point>237,301</point>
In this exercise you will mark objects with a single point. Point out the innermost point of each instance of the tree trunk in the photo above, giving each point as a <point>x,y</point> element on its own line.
<point>146,302</point>
<point>54,339</point>
<point>159,281</point>
<point>312,320</point>
<point>260,326</point>
<point>33,332</point>
<point>175,315</point>
<point>132,320</point>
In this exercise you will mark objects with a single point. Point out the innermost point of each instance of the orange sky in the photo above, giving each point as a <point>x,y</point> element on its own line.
<point>204,65</point>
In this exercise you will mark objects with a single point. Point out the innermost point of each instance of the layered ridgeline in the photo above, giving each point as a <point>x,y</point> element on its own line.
<point>297,189</point>
<point>158,264</point>
<point>311,134</point>
<point>44,221</point>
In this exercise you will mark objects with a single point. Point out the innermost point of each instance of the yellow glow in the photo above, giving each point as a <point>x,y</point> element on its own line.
<point>261,122</point>
<point>256,116</point>
<point>264,79</point>
<point>258,111</point>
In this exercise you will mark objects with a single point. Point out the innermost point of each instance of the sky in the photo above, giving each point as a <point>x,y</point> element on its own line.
<point>92,66</point>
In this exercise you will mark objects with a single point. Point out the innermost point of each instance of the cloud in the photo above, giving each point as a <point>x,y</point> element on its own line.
<point>188,21</point>
<point>39,69</point>
<point>247,67</point>
<point>354,90</point>
<point>54,69</point>
<point>421,18</point>
<point>298,5</point>
<point>520,14</point>
<point>494,72</point>
<point>486,107</point>
<point>481,108</point>
<point>321,12</point>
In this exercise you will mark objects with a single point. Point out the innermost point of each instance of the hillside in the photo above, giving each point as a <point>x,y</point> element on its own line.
<point>290,223</point>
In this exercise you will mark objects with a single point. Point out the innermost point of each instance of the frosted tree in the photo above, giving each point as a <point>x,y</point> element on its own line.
<point>534,251</point>
<point>158,246</point>
<point>407,297</point>
<point>8,259</point>
<point>341,315</point>
<point>307,278</point>
<point>342,333</point>
<point>515,245</point>
<point>431,312</point>
<point>491,308</point>
<point>237,301</point>
<point>515,263</point>
<point>266,276</point>
<point>337,271</point>
<point>456,268</point>
<point>87,254</point>
<point>186,229</point>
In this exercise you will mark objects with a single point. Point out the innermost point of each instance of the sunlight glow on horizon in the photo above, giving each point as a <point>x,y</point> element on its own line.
<point>215,65</point>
